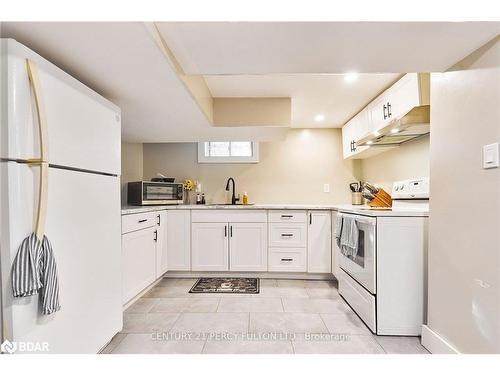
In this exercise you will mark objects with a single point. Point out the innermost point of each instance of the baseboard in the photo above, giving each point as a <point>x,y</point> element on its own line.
<point>141,293</point>
<point>435,343</point>
<point>262,275</point>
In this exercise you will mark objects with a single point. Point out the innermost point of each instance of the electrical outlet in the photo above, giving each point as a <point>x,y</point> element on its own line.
<point>326,188</point>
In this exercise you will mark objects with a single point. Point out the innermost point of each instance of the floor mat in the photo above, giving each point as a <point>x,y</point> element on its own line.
<point>242,285</point>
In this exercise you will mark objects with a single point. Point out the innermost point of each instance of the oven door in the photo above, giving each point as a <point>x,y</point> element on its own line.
<point>162,193</point>
<point>362,266</point>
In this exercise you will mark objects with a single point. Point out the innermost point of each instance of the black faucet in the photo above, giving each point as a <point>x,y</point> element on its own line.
<point>233,197</point>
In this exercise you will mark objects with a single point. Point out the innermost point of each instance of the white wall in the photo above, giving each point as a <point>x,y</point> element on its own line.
<point>290,171</point>
<point>132,166</point>
<point>464,231</point>
<point>410,160</point>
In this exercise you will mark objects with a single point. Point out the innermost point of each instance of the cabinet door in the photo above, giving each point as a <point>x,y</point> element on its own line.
<point>378,113</point>
<point>248,246</point>
<point>210,246</point>
<point>352,132</point>
<point>335,248</point>
<point>161,244</point>
<point>346,140</point>
<point>179,240</point>
<point>404,95</point>
<point>319,246</point>
<point>139,261</point>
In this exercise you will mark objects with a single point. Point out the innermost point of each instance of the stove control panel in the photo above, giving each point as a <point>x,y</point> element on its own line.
<point>417,188</point>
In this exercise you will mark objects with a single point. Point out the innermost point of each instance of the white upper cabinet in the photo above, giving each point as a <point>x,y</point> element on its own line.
<point>248,246</point>
<point>351,132</point>
<point>412,90</point>
<point>319,246</point>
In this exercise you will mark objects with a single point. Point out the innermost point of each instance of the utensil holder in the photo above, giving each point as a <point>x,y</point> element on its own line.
<point>357,198</point>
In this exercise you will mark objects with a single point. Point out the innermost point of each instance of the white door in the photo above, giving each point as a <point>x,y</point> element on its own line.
<point>161,244</point>
<point>83,225</point>
<point>179,240</point>
<point>139,261</point>
<point>319,246</point>
<point>210,246</point>
<point>335,248</point>
<point>248,246</point>
<point>83,127</point>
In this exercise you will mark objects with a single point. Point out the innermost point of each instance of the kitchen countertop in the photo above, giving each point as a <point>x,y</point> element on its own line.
<point>348,208</point>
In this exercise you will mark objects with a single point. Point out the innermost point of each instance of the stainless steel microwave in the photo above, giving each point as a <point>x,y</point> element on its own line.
<point>142,193</point>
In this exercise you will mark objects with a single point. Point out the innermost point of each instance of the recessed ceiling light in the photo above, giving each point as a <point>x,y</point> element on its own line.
<point>394,131</point>
<point>319,117</point>
<point>350,77</point>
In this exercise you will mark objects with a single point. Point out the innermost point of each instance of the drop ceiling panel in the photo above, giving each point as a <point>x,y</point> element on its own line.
<point>312,94</point>
<point>323,47</point>
<point>121,61</point>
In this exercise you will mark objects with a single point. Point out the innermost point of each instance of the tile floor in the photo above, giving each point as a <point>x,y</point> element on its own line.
<point>286,317</point>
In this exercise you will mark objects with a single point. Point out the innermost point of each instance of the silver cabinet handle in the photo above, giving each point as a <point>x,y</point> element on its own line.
<point>142,221</point>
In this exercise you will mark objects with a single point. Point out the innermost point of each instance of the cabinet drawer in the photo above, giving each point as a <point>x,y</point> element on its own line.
<point>360,300</point>
<point>287,235</point>
<point>143,220</point>
<point>229,215</point>
<point>287,216</point>
<point>287,259</point>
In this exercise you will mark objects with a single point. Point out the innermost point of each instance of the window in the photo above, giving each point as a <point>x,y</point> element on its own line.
<point>228,152</point>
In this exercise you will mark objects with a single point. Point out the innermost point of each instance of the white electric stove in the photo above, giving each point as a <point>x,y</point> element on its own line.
<point>384,282</point>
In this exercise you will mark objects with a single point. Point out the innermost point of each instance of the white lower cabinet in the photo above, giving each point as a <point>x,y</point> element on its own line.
<point>319,245</point>
<point>209,247</point>
<point>229,247</point>
<point>248,246</point>
<point>179,240</point>
<point>335,248</point>
<point>287,259</point>
<point>138,260</point>
<point>161,244</point>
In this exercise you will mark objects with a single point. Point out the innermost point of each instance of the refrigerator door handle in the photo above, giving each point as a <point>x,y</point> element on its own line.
<point>42,200</point>
<point>40,110</point>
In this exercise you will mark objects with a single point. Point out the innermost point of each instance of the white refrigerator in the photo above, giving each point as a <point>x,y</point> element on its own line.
<point>81,144</point>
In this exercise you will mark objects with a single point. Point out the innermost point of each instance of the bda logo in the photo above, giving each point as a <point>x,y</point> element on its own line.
<point>8,347</point>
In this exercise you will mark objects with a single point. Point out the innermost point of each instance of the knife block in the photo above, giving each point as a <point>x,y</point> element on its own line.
<point>382,199</point>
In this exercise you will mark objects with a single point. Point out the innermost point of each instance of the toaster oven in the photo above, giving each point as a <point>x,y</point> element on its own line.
<point>142,193</point>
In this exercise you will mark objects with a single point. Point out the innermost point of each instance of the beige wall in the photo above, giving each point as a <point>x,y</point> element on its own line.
<point>404,162</point>
<point>132,166</point>
<point>289,171</point>
<point>464,231</point>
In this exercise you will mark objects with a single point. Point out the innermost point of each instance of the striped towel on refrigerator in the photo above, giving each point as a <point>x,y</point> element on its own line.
<point>35,269</point>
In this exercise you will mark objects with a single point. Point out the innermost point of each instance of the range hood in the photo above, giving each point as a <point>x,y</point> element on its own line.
<point>412,125</point>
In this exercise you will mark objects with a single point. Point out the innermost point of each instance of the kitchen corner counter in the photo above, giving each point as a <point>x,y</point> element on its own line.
<point>126,210</point>
<point>347,208</point>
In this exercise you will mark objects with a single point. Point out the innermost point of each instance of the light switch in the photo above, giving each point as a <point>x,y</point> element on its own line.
<point>490,156</point>
<point>326,188</point>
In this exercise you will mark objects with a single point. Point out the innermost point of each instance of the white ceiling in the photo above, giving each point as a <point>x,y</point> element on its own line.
<point>312,94</point>
<point>323,47</point>
<point>122,62</point>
